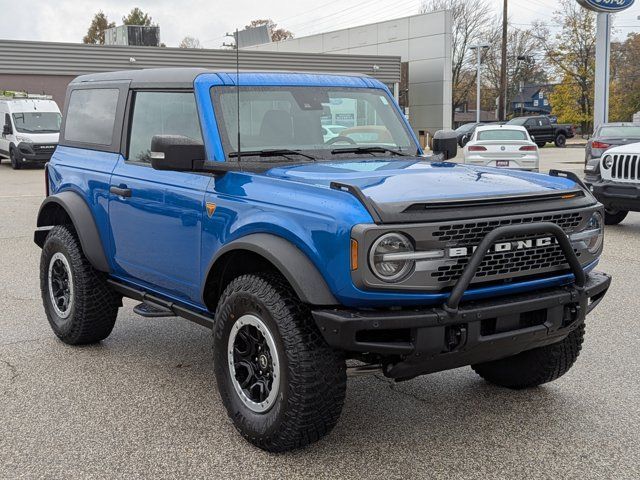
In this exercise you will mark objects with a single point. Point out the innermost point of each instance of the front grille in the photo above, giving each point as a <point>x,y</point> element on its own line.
<point>625,167</point>
<point>529,261</point>
<point>502,265</point>
<point>44,148</point>
<point>473,232</point>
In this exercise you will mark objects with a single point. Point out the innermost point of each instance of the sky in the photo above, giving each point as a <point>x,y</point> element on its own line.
<point>209,20</point>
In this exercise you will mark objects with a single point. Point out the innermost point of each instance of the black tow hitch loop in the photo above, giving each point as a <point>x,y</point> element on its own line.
<point>451,306</point>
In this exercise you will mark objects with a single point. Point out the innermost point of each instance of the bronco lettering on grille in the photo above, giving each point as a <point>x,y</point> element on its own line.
<point>504,246</point>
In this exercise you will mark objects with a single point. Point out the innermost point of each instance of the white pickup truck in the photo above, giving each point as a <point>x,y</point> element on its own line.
<point>30,127</point>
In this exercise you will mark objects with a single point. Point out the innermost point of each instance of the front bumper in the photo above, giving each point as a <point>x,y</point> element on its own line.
<point>617,195</point>
<point>35,153</point>
<point>420,341</point>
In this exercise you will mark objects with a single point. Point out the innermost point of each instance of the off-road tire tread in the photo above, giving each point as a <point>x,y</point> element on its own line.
<point>317,373</point>
<point>534,367</point>
<point>95,303</point>
<point>615,218</point>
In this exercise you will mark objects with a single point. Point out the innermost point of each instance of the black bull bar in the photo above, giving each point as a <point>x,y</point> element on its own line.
<point>461,286</point>
<point>429,339</point>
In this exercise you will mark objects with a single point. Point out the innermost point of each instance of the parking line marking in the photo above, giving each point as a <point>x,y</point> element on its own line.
<point>20,196</point>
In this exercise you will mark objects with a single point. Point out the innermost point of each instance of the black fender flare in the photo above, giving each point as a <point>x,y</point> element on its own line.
<point>293,264</point>
<point>82,219</point>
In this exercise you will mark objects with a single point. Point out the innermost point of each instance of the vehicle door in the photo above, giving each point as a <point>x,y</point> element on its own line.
<point>5,132</point>
<point>547,129</point>
<point>156,216</point>
<point>533,128</point>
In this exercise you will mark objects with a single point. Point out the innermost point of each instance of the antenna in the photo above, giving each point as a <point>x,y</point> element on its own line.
<point>235,45</point>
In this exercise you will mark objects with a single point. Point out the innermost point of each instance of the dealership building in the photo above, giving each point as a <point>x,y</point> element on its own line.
<point>411,55</point>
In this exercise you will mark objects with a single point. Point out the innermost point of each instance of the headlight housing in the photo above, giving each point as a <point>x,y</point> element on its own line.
<point>595,225</point>
<point>607,162</point>
<point>21,138</point>
<point>390,257</point>
<point>592,235</point>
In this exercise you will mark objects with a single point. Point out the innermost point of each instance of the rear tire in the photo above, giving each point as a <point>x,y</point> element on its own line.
<point>561,141</point>
<point>80,306</point>
<point>534,367</point>
<point>15,161</point>
<point>260,315</point>
<point>614,217</point>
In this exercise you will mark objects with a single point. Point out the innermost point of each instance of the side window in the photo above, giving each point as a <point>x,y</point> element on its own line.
<point>91,116</point>
<point>161,113</point>
<point>530,123</point>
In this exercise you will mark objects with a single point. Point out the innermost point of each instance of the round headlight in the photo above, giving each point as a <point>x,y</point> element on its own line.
<point>388,257</point>
<point>595,224</point>
<point>607,163</point>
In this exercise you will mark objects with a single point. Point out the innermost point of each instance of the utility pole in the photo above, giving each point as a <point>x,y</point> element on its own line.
<point>479,48</point>
<point>502,102</point>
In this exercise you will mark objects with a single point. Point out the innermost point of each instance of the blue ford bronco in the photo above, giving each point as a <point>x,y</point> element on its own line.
<point>221,199</point>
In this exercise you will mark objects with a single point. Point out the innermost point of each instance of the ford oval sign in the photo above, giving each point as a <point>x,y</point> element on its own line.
<point>606,6</point>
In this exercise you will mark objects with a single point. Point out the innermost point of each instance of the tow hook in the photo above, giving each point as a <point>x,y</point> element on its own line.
<point>455,336</point>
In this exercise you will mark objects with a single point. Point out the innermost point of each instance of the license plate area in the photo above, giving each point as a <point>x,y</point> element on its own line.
<point>502,163</point>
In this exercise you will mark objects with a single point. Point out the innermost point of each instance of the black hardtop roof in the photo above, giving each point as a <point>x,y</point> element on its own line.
<point>146,75</point>
<point>175,77</point>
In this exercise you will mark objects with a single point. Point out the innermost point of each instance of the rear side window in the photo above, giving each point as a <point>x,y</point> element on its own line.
<point>91,116</point>
<point>161,113</point>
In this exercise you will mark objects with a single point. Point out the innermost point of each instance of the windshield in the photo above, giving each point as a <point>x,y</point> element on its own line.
<point>294,118</point>
<point>37,122</point>
<point>620,131</point>
<point>465,128</point>
<point>502,134</point>
<point>517,121</point>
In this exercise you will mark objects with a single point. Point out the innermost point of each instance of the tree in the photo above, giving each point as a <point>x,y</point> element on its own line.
<point>571,54</point>
<point>624,97</point>
<point>470,21</point>
<point>277,34</point>
<point>137,17</point>
<point>566,102</point>
<point>95,33</point>
<point>190,42</point>
<point>523,66</point>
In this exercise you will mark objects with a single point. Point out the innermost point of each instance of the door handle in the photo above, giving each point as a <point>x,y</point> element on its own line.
<point>120,191</point>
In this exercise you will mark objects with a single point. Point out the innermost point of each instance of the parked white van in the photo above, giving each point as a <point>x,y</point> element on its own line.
<point>30,129</point>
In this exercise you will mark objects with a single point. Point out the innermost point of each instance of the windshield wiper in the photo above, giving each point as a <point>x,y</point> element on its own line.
<point>275,152</point>
<point>369,150</point>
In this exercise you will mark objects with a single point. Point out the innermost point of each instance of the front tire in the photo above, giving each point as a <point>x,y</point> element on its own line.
<point>614,217</point>
<point>534,367</point>
<point>282,385</point>
<point>80,305</point>
<point>15,161</point>
<point>541,144</point>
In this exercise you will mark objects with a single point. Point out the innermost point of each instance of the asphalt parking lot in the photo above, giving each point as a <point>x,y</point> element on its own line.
<point>143,403</point>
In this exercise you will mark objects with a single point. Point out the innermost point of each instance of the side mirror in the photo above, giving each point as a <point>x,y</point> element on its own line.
<point>445,143</point>
<point>176,152</point>
<point>7,130</point>
<point>533,139</point>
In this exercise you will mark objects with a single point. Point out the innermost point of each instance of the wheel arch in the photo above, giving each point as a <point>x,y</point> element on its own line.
<point>69,208</point>
<point>265,252</point>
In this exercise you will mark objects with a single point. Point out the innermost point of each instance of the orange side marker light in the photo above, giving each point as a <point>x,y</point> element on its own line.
<point>354,254</point>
